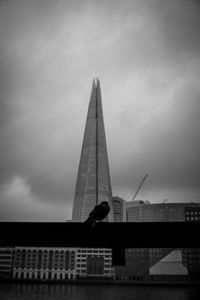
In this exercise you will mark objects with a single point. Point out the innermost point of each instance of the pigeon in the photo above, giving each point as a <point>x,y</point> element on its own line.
<point>98,213</point>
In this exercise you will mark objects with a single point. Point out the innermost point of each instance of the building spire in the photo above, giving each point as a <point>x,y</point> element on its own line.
<point>95,81</point>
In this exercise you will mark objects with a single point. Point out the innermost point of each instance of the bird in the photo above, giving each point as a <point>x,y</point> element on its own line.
<point>98,213</point>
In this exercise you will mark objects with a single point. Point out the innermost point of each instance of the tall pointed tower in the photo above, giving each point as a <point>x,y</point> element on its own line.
<point>93,183</point>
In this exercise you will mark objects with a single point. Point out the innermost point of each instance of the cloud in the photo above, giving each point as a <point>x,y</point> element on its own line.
<point>164,142</point>
<point>18,204</point>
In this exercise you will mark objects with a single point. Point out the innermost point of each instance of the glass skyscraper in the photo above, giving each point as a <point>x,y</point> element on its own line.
<point>93,183</point>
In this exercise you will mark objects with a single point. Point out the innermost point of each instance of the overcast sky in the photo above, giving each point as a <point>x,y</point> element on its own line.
<point>146,54</point>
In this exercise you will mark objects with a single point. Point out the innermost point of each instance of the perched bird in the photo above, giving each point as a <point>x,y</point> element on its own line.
<point>98,213</point>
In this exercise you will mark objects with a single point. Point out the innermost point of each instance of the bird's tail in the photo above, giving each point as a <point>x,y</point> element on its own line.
<point>90,221</point>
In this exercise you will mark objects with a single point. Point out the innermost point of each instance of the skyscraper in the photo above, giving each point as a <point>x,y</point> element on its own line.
<point>93,183</point>
<point>119,213</point>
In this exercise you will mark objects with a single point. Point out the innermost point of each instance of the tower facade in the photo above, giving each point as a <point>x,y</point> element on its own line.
<point>93,183</point>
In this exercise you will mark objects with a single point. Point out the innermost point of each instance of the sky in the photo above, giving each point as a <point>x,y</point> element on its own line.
<point>146,54</point>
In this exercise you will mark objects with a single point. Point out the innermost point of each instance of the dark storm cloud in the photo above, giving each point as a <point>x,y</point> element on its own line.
<point>179,22</point>
<point>146,54</point>
<point>168,143</point>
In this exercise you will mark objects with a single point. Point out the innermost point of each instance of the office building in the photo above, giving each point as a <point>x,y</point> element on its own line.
<point>44,263</point>
<point>59,263</point>
<point>137,265</point>
<point>93,183</point>
<point>94,263</point>
<point>192,213</point>
<point>160,212</point>
<point>191,256</point>
<point>6,254</point>
<point>119,213</point>
<point>168,212</point>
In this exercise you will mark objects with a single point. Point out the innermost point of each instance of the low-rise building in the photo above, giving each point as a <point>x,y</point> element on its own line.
<point>44,263</point>
<point>6,262</point>
<point>136,265</point>
<point>161,212</point>
<point>59,263</point>
<point>94,263</point>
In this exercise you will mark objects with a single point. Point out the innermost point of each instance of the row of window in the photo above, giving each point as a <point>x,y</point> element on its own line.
<point>35,254</point>
<point>5,251</point>
<point>84,258</point>
<point>34,266</point>
<point>35,261</point>
<point>43,251</point>
<point>89,254</point>
<point>193,261</point>
<point>45,259</point>
<point>60,253</point>
<point>133,250</point>
<point>192,212</point>
<point>94,251</point>
<point>193,218</point>
<point>41,276</point>
<point>4,267</point>
<point>28,254</point>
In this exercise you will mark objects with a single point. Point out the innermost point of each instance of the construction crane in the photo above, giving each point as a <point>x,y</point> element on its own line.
<point>141,183</point>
